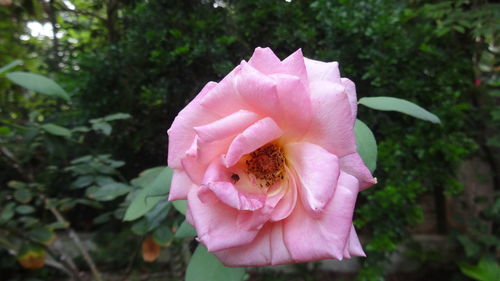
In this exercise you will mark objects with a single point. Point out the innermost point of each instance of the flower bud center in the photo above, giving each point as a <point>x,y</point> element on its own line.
<point>267,164</point>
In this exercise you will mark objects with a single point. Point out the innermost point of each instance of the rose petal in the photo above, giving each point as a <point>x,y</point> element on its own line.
<point>268,248</point>
<point>216,225</point>
<point>317,171</point>
<point>294,65</point>
<point>227,126</point>
<point>264,60</point>
<point>332,121</point>
<point>223,99</point>
<point>310,238</point>
<point>193,168</point>
<point>286,205</point>
<point>181,133</point>
<point>350,90</point>
<point>217,180</point>
<point>257,90</point>
<point>353,246</point>
<point>180,186</point>
<point>295,106</point>
<point>354,165</point>
<point>318,70</point>
<point>255,136</point>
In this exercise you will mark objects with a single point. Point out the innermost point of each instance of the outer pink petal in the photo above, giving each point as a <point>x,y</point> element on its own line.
<point>353,246</point>
<point>317,171</point>
<point>294,65</point>
<point>350,90</point>
<point>257,90</point>
<point>264,60</point>
<point>354,165</point>
<point>295,105</point>
<point>332,124</point>
<point>255,136</point>
<point>180,186</point>
<point>268,248</point>
<point>226,126</point>
<point>310,239</point>
<point>223,99</point>
<point>181,133</point>
<point>216,224</point>
<point>318,70</point>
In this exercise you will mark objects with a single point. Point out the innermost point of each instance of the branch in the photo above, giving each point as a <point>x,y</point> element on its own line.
<point>76,240</point>
<point>63,7</point>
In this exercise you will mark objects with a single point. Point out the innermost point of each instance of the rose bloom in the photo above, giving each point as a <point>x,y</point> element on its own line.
<point>267,161</point>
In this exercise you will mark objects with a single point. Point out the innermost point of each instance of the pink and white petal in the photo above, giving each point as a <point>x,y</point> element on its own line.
<point>318,70</point>
<point>287,203</point>
<point>257,90</point>
<point>255,136</point>
<point>332,123</point>
<point>264,60</point>
<point>354,165</point>
<point>216,225</point>
<point>317,173</point>
<point>268,248</point>
<point>226,126</point>
<point>309,238</point>
<point>180,185</point>
<point>181,133</point>
<point>295,106</point>
<point>223,100</point>
<point>350,89</point>
<point>294,65</point>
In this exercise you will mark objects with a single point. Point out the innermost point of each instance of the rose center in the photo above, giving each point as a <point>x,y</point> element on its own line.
<point>267,164</point>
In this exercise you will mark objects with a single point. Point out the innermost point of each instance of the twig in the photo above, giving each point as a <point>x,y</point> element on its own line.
<point>76,240</point>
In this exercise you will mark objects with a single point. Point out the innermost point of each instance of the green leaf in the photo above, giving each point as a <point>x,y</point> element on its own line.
<point>7,212</point>
<point>103,127</point>
<point>156,215</point>
<point>25,209</point>
<point>23,195</point>
<point>58,225</point>
<point>82,181</point>
<point>149,196</point>
<point>399,105</point>
<point>486,270</point>
<point>162,235</point>
<point>56,130</point>
<point>102,218</point>
<point>140,227</point>
<point>42,234</point>
<point>185,230</point>
<point>116,116</point>
<point>10,65</point>
<point>204,266</point>
<point>110,191</point>
<point>38,83</point>
<point>367,145</point>
<point>180,205</point>
<point>146,177</point>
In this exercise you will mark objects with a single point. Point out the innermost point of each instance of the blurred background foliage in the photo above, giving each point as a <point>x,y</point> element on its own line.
<point>70,167</point>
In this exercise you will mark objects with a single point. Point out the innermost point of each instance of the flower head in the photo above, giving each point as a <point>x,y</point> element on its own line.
<point>267,161</point>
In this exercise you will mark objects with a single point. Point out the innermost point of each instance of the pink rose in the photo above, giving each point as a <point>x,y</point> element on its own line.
<point>267,161</point>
